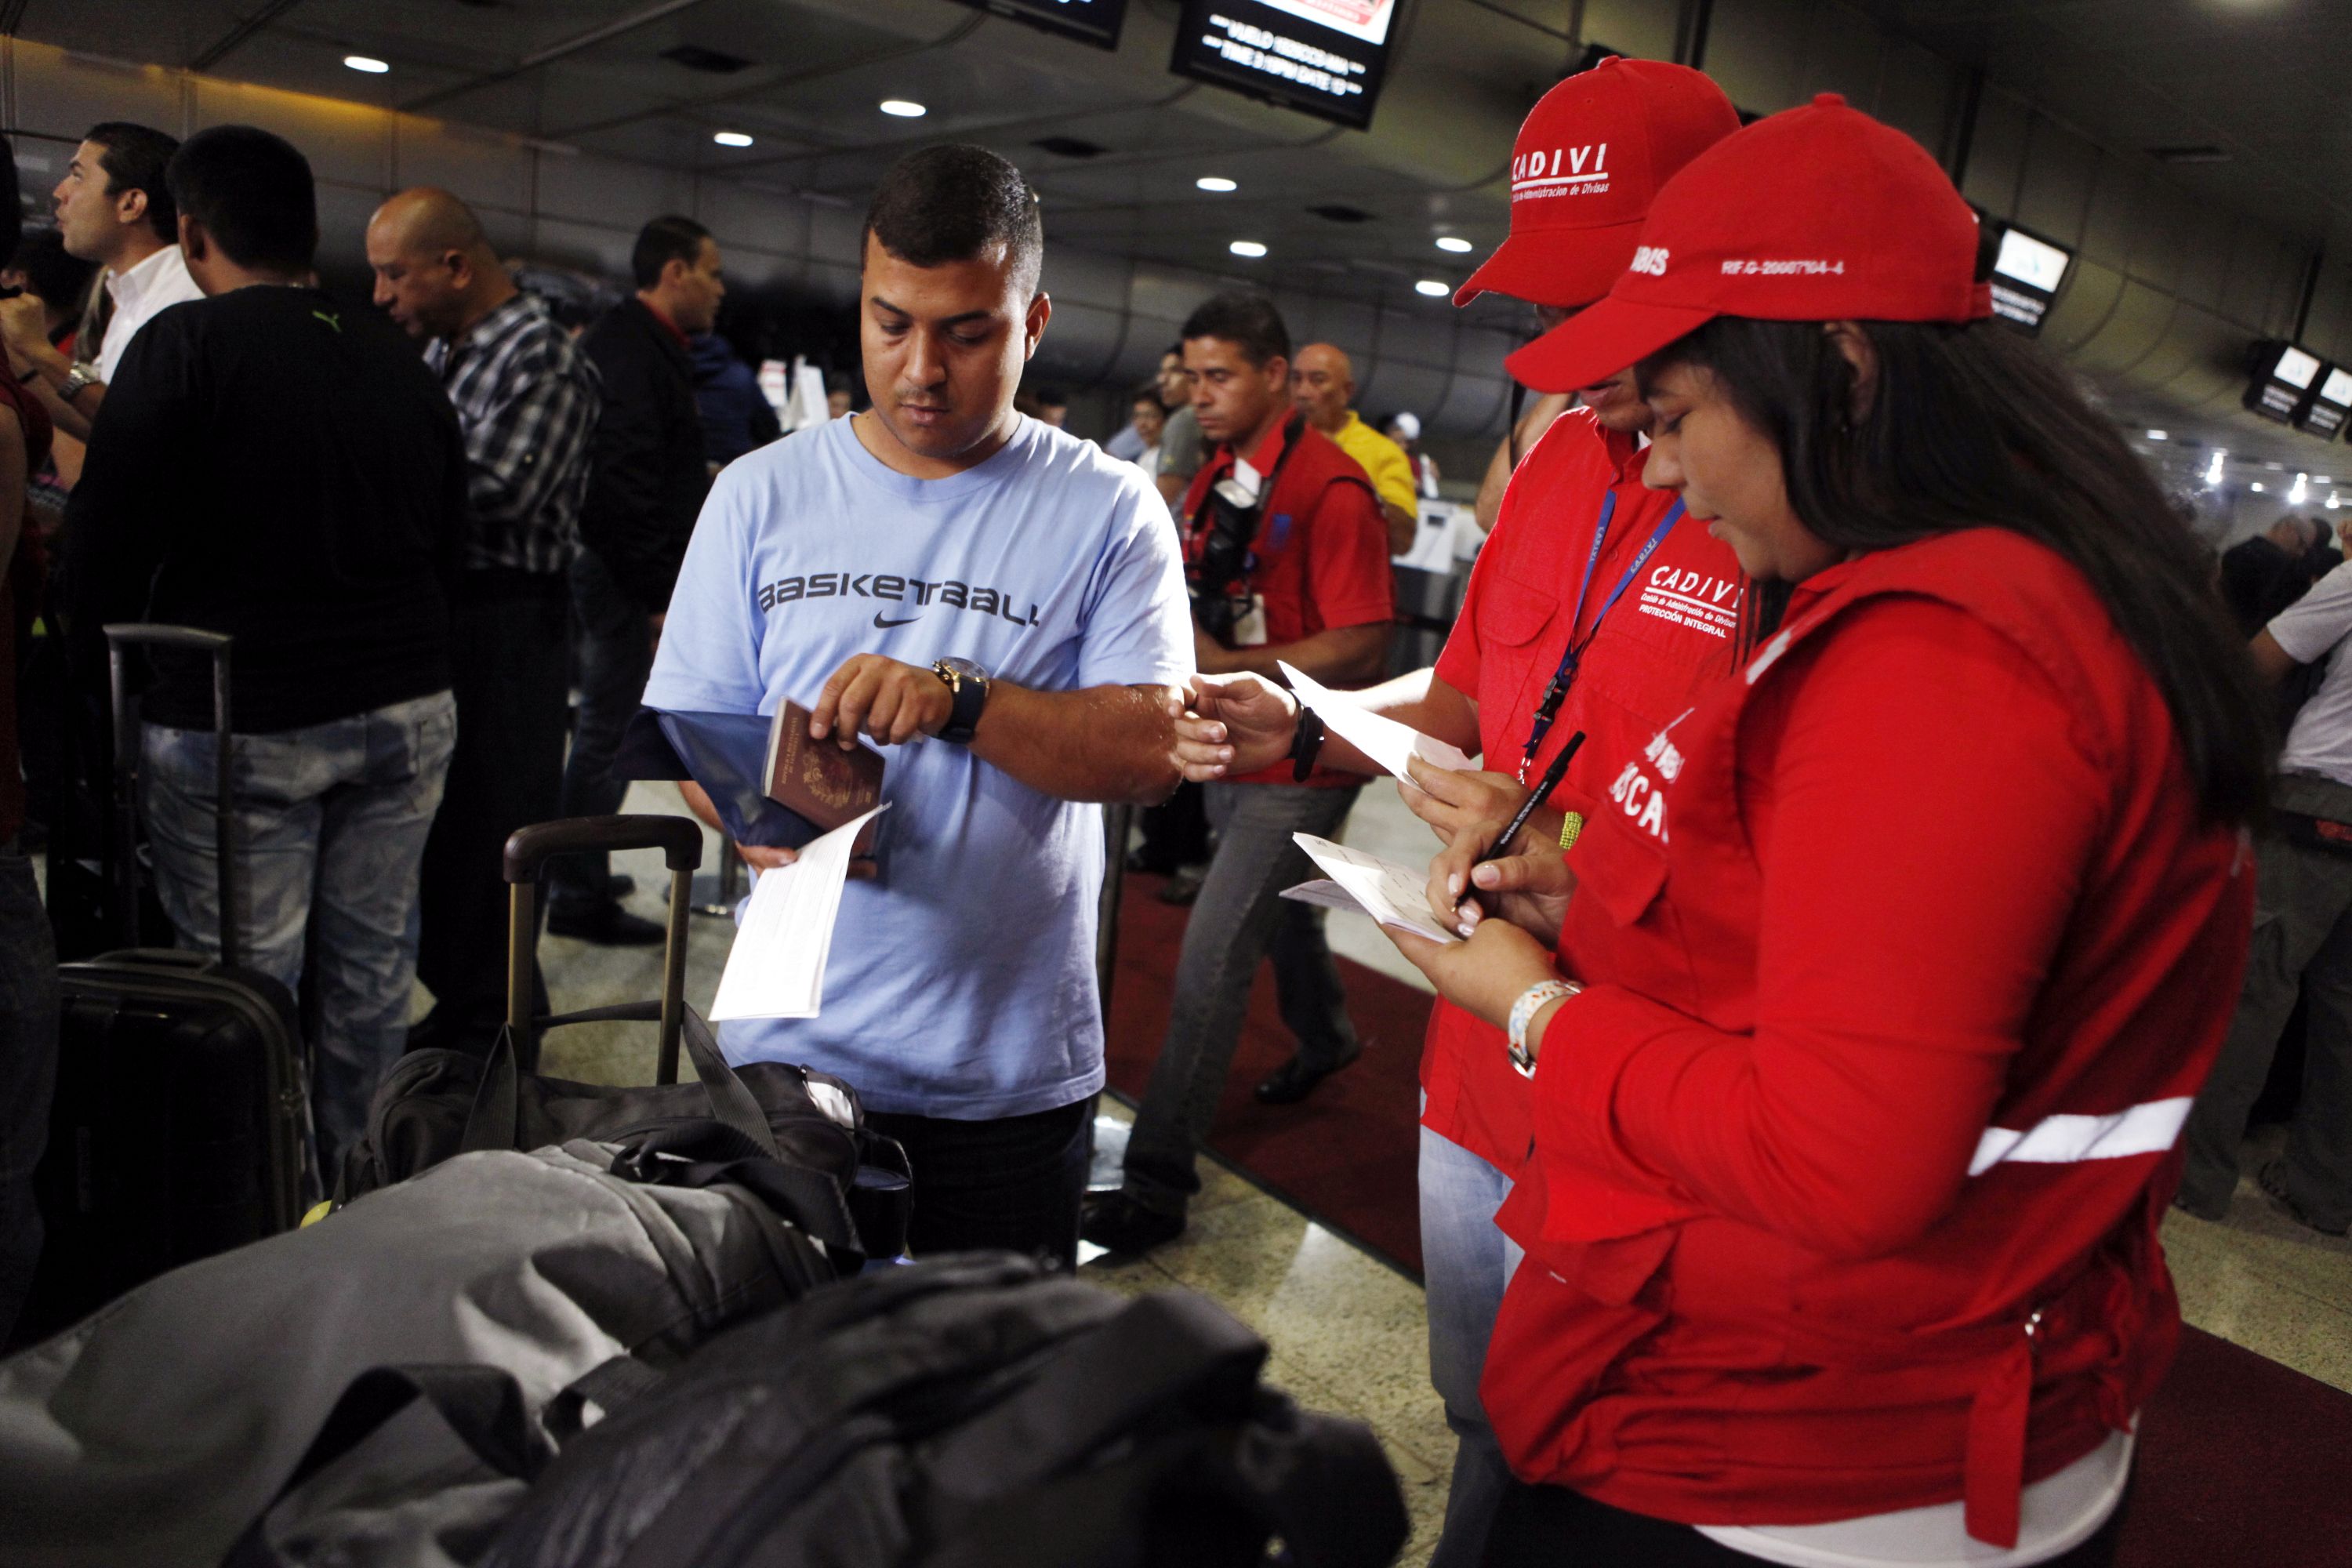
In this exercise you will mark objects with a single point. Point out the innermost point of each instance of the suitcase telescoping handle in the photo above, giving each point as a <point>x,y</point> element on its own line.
<point>679,839</point>
<point>120,635</point>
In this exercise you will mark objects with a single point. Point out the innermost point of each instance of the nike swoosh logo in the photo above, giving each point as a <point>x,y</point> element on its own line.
<point>885,625</point>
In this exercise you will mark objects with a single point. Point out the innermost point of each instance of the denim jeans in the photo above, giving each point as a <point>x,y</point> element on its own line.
<point>617,655</point>
<point>1014,1181</point>
<point>1239,918</point>
<point>28,1070</point>
<point>1466,1264</point>
<point>331,821</point>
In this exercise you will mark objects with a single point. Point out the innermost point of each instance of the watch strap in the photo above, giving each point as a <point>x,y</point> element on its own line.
<point>968,693</point>
<point>1533,1000</point>
<point>1306,743</point>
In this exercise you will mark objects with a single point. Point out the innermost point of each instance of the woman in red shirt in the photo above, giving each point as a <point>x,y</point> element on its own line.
<point>1860,1051</point>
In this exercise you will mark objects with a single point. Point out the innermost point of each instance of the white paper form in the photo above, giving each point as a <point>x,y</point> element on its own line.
<point>1383,738</point>
<point>776,968</point>
<point>1391,894</point>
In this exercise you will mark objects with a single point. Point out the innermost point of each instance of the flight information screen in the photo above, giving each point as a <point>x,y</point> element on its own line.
<point>2281,383</point>
<point>2329,407</point>
<point>1323,58</point>
<point>1095,22</point>
<point>2026,273</point>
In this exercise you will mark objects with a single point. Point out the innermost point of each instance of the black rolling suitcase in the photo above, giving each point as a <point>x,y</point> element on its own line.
<point>181,1126</point>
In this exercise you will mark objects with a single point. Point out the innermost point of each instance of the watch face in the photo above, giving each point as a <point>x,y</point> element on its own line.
<point>964,666</point>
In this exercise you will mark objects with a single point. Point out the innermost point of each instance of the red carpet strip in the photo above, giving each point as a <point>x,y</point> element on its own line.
<point>2242,1462</point>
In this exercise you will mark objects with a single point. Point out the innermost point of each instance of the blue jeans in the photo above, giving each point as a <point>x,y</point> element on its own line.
<point>332,822</point>
<point>1466,1262</point>
<point>28,1070</point>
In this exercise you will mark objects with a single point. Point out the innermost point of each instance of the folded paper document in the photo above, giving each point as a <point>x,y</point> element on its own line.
<point>1391,894</point>
<point>1383,740</point>
<point>776,968</point>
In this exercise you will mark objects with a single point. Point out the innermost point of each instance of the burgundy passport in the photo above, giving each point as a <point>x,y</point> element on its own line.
<point>817,779</point>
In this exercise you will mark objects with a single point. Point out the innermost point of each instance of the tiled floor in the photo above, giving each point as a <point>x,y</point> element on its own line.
<point>1348,1331</point>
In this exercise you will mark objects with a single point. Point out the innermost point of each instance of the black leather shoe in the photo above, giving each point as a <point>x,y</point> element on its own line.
<point>1294,1081</point>
<point>1183,885</point>
<point>606,925</point>
<point>1117,1223</point>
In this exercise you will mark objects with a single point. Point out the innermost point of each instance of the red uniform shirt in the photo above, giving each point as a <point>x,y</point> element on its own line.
<point>1909,951</point>
<point>1670,636</point>
<point>1322,555</point>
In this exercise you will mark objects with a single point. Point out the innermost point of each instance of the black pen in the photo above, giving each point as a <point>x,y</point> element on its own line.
<point>1544,786</point>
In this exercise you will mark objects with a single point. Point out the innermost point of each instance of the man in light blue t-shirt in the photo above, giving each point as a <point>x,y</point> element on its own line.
<point>1001,604</point>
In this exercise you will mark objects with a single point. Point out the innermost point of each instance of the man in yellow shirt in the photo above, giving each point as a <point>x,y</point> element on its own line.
<point>1322,384</point>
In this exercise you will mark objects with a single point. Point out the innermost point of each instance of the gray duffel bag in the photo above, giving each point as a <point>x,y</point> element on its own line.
<point>155,1431</point>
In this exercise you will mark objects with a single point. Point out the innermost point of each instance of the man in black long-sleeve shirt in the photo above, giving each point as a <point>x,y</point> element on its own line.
<point>275,466</point>
<point>647,478</point>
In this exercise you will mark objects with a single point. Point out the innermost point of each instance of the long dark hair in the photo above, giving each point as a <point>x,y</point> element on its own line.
<point>1973,426</point>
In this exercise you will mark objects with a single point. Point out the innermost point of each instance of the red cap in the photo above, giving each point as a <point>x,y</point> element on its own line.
<point>1818,213</point>
<point>1592,153</point>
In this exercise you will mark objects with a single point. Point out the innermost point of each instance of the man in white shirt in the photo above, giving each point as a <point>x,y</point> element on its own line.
<point>112,208</point>
<point>2303,937</point>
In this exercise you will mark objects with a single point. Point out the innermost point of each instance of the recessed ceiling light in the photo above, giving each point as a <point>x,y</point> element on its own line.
<point>2258,487</point>
<point>1433,288</point>
<point>1217,183</point>
<point>1452,242</point>
<point>1249,247</point>
<point>730,139</point>
<point>367,63</point>
<point>2159,436</point>
<point>903,108</point>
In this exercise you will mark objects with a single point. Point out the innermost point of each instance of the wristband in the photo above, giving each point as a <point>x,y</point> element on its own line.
<point>1523,1013</point>
<point>1305,744</point>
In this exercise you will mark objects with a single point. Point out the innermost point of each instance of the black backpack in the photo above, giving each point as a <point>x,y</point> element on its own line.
<point>436,1104</point>
<point>967,1412</point>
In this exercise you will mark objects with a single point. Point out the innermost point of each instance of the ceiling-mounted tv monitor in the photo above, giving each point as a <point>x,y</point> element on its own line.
<point>2282,381</point>
<point>1096,22</point>
<point>1324,57</point>
<point>2026,274</point>
<point>2330,404</point>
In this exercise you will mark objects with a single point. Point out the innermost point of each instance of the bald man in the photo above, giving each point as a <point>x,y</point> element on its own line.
<point>527,401</point>
<point>1322,386</point>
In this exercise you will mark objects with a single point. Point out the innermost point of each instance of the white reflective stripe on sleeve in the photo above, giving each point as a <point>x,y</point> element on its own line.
<point>2149,1129</point>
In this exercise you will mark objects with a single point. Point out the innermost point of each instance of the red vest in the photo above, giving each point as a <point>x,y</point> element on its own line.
<point>1671,637</point>
<point>1685,1358</point>
<point>1306,499</point>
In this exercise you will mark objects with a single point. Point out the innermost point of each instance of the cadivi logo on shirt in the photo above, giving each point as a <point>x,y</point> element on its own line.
<point>1561,172</point>
<point>1693,599</point>
<point>912,596</point>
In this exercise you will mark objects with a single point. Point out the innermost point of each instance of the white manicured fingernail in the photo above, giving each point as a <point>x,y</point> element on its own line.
<point>1466,928</point>
<point>1453,884</point>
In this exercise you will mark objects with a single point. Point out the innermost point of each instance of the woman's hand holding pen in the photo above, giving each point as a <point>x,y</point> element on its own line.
<point>1529,890</point>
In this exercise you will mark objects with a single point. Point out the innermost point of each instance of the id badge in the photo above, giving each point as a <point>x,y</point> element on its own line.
<point>1249,630</point>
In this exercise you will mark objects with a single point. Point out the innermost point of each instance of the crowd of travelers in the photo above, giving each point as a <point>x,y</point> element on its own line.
<point>1876,790</point>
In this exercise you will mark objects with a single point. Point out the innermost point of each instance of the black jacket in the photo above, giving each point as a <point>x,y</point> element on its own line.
<point>646,476</point>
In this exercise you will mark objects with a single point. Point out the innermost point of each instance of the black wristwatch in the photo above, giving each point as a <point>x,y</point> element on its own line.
<point>1306,743</point>
<point>968,684</point>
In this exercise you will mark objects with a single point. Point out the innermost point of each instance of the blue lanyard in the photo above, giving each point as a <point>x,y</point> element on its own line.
<point>1565,675</point>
